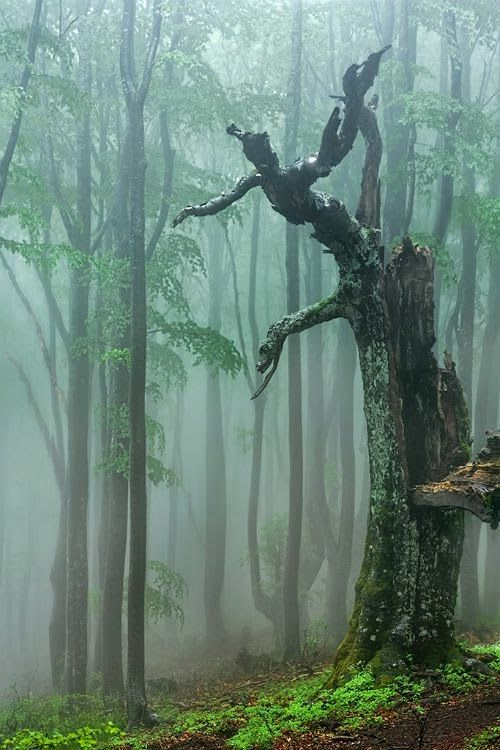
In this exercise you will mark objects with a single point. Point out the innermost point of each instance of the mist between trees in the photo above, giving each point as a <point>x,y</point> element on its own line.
<point>151,510</point>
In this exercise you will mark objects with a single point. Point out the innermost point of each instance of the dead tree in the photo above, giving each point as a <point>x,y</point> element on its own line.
<point>415,412</point>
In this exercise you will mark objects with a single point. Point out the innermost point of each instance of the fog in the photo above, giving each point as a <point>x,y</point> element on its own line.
<point>214,286</point>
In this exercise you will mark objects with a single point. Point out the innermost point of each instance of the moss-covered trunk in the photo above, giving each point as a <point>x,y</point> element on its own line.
<point>417,426</point>
<point>379,627</point>
<point>415,412</point>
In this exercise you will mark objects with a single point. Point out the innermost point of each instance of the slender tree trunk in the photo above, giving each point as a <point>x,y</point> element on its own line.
<point>118,445</point>
<point>137,476</point>
<point>486,417</point>
<point>469,581</point>
<point>291,576</point>
<point>78,414</point>
<point>339,575</point>
<point>313,553</point>
<point>447,182</point>
<point>135,95</point>
<point>216,493</point>
<point>116,542</point>
<point>272,610</point>
<point>396,208</point>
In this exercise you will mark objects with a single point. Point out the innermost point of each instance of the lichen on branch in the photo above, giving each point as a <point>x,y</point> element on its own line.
<point>334,306</point>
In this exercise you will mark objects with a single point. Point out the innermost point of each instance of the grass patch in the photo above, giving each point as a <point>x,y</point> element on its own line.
<point>492,651</point>
<point>296,707</point>
<point>487,740</point>
<point>255,721</point>
<point>79,722</point>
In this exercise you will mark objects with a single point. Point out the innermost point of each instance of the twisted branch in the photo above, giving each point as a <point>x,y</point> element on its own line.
<point>222,201</point>
<point>335,306</point>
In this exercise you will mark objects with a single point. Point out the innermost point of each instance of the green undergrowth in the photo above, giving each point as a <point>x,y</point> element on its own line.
<point>253,720</point>
<point>258,720</point>
<point>487,740</point>
<point>492,651</point>
<point>70,723</point>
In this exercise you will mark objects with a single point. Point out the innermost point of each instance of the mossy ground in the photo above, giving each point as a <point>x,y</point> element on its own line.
<point>250,713</point>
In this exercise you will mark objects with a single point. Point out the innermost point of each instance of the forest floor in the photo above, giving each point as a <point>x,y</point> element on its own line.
<point>439,722</point>
<point>257,703</point>
<point>286,707</point>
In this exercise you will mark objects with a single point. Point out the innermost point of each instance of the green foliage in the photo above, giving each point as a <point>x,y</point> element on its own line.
<point>484,212</point>
<point>164,594</point>
<point>84,738</point>
<point>487,740</point>
<point>116,460</point>
<point>204,343</point>
<point>301,705</point>
<point>45,722</point>
<point>491,650</point>
<point>272,549</point>
<point>456,679</point>
<point>177,254</point>
<point>471,142</point>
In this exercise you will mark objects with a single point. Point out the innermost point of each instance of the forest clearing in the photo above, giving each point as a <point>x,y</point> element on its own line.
<point>250,284</point>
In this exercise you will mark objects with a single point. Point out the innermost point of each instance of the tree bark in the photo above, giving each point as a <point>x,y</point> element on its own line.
<point>216,492</point>
<point>391,317</point>
<point>135,96</point>
<point>118,444</point>
<point>291,643</point>
<point>447,181</point>
<point>338,575</point>
<point>78,410</point>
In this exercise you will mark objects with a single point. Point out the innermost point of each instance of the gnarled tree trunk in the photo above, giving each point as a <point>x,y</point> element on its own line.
<point>404,596</point>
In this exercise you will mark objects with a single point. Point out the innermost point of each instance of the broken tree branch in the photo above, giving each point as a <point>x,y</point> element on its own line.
<point>222,201</point>
<point>474,487</point>
<point>288,189</point>
<point>270,350</point>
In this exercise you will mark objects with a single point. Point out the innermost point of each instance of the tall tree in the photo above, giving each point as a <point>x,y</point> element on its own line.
<point>118,446</point>
<point>216,493</point>
<point>402,588</point>
<point>135,96</point>
<point>79,232</point>
<point>296,499</point>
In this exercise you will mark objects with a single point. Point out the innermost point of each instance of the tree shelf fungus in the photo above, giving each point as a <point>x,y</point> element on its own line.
<point>474,487</point>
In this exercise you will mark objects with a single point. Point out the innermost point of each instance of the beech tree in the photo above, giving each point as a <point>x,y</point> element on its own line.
<point>135,96</point>
<point>415,411</point>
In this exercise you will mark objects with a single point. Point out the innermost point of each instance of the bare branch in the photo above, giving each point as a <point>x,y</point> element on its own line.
<point>33,39</point>
<point>357,80</point>
<point>38,328</point>
<point>55,456</point>
<point>368,211</point>
<point>335,306</point>
<point>258,150</point>
<point>127,71</point>
<point>154,40</point>
<point>54,308</point>
<point>222,201</point>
